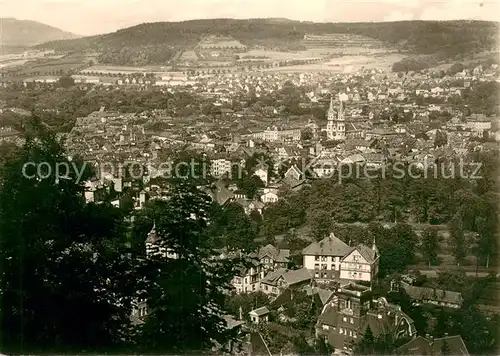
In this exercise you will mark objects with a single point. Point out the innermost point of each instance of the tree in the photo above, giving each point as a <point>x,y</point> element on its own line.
<point>457,239</point>
<point>67,280</point>
<point>321,225</point>
<point>445,348</point>
<point>66,81</point>
<point>430,245</point>
<point>232,228</point>
<point>185,294</point>
<point>441,139</point>
<point>246,302</point>
<point>365,346</point>
<point>306,134</point>
<point>250,185</point>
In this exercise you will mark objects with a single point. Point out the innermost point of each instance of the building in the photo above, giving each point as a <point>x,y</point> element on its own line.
<point>426,346</point>
<point>323,257</point>
<point>266,260</point>
<point>361,264</point>
<point>248,279</point>
<point>335,127</point>
<point>274,134</point>
<point>262,174</point>
<point>276,282</point>
<point>434,296</point>
<point>346,317</point>
<point>331,259</point>
<point>154,247</point>
<point>220,167</point>
<point>269,197</point>
<point>259,315</point>
<point>272,258</point>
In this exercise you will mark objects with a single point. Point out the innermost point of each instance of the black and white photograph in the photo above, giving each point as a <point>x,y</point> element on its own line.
<point>249,177</point>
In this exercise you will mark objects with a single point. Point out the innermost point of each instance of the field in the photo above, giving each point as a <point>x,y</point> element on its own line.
<point>347,64</point>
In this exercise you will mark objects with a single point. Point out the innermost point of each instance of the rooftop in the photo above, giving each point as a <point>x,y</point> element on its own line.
<point>329,246</point>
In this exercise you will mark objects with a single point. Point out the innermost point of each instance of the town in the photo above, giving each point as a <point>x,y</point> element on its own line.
<point>350,211</point>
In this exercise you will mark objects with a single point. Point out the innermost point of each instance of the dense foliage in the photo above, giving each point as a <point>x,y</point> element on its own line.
<point>66,279</point>
<point>72,271</point>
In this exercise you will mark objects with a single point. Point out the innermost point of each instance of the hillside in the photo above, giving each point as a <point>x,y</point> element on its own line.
<point>23,33</point>
<point>158,42</point>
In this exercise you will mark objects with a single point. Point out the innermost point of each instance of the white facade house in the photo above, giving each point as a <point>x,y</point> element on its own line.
<point>331,260</point>
<point>219,167</point>
<point>259,315</point>
<point>361,264</point>
<point>269,197</point>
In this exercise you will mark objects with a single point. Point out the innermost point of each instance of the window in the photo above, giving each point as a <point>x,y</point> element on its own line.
<point>316,258</point>
<point>324,266</point>
<point>325,327</point>
<point>265,287</point>
<point>350,332</point>
<point>325,275</point>
<point>355,258</point>
<point>354,335</point>
<point>344,319</point>
<point>316,274</point>
<point>316,266</point>
<point>253,286</point>
<point>266,260</point>
<point>341,330</point>
<point>352,321</point>
<point>324,258</point>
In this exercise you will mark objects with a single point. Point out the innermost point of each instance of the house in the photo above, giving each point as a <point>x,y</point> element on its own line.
<point>139,312</point>
<point>434,296</point>
<point>346,317</point>
<point>219,193</point>
<point>331,259</point>
<point>324,295</point>
<point>361,264</point>
<point>426,346</point>
<point>272,258</point>
<point>294,179</point>
<point>278,281</point>
<point>259,315</point>
<point>155,247</point>
<point>323,257</point>
<point>220,167</point>
<point>262,174</point>
<point>247,279</point>
<point>269,197</point>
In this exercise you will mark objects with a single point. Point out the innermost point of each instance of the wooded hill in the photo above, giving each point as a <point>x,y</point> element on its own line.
<point>156,42</point>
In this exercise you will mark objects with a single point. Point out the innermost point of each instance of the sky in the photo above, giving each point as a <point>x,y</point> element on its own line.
<point>90,17</point>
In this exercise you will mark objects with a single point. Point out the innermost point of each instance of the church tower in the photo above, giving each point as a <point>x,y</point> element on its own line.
<point>335,127</point>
